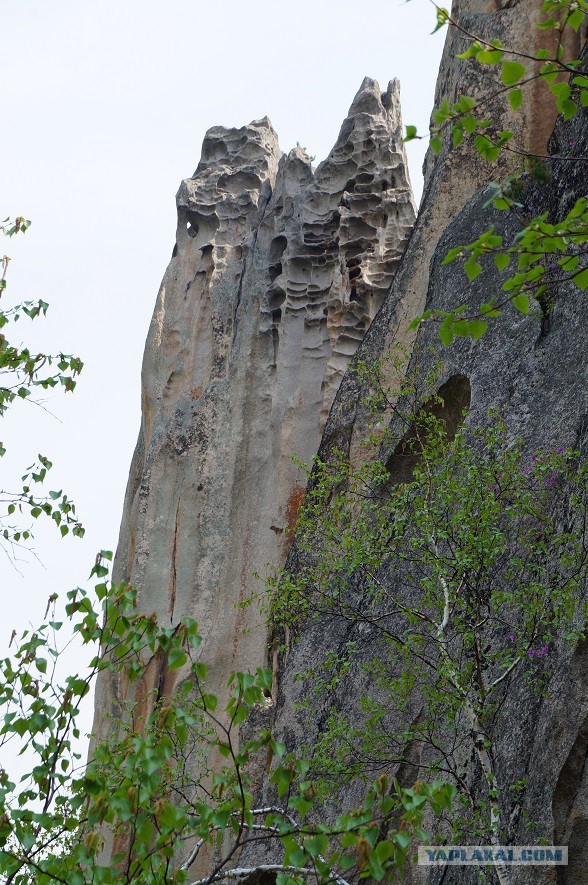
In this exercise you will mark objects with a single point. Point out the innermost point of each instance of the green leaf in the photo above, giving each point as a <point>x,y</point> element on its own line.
<point>502,260</point>
<point>452,255</point>
<point>282,777</point>
<point>477,328</point>
<point>376,868</point>
<point>296,857</point>
<point>489,310</point>
<point>581,279</point>
<point>436,145</point>
<point>521,302</point>
<point>411,132</point>
<point>384,850</point>
<point>576,19</point>
<point>470,124</point>
<point>241,715</point>
<point>316,845</point>
<point>446,330</point>
<point>512,72</point>
<point>461,328</point>
<point>177,658</point>
<point>210,701</point>
<point>442,19</point>
<point>278,748</point>
<point>402,838</point>
<point>472,269</point>
<point>489,56</point>
<point>515,97</point>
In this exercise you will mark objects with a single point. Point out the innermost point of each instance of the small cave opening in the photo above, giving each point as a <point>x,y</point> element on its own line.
<point>353,296</point>
<point>355,272</point>
<point>275,270</point>
<point>261,878</point>
<point>200,225</point>
<point>275,346</point>
<point>334,220</point>
<point>275,299</point>
<point>450,406</point>
<point>277,249</point>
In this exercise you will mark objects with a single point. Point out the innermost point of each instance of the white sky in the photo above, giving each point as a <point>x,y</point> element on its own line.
<point>103,109</point>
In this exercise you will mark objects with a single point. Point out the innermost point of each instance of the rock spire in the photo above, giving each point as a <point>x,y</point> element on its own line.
<point>277,273</point>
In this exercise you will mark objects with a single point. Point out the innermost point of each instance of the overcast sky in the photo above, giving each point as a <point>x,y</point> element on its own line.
<point>103,110</point>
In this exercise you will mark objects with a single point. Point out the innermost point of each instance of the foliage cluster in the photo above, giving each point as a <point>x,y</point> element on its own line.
<point>454,563</point>
<point>544,254</point>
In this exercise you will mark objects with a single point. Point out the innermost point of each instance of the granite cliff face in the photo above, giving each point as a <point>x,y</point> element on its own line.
<point>277,273</point>
<point>534,370</point>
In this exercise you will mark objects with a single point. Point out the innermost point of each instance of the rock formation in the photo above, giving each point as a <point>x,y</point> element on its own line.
<point>534,369</point>
<point>276,277</point>
<point>277,272</point>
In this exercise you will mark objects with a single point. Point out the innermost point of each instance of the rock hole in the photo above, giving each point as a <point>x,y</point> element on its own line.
<point>275,270</point>
<point>277,249</point>
<point>275,344</point>
<point>455,395</point>
<point>569,808</point>
<point>204,226</point>
<point>261,878</point>
<point>546,301</point>
<point>275,299</point>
